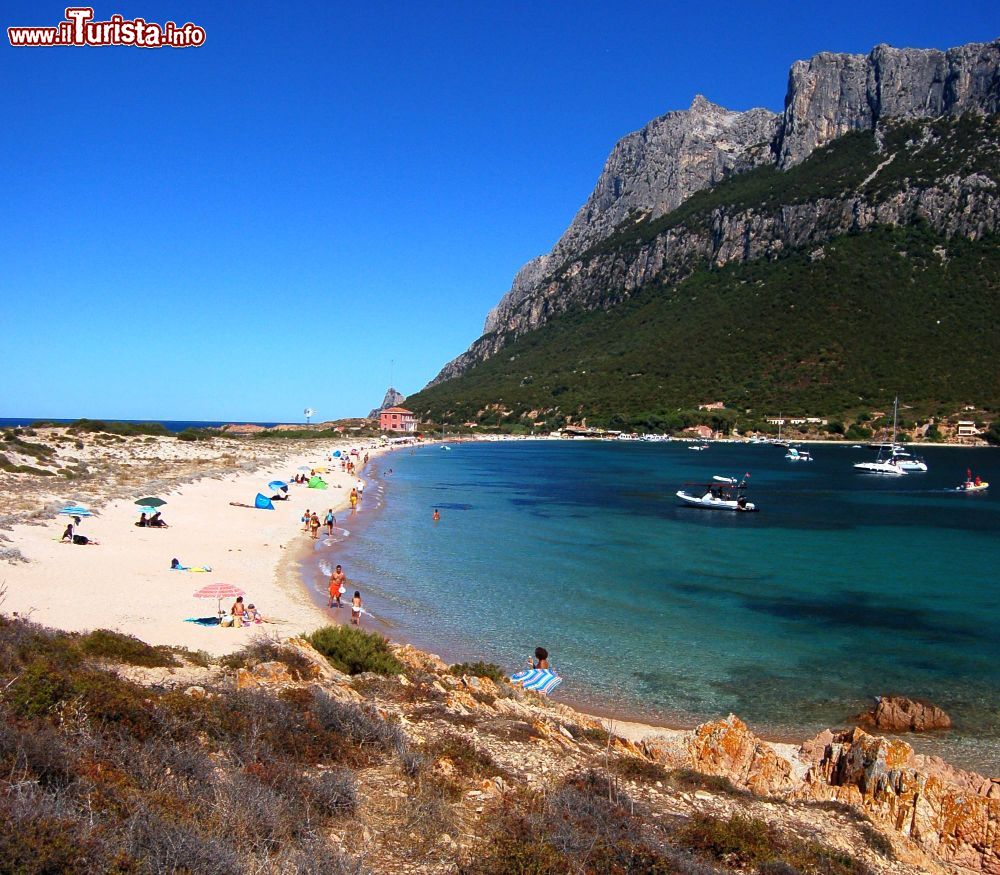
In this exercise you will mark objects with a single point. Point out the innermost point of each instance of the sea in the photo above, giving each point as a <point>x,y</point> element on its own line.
<point>844,586</point>
<point>174,425</point>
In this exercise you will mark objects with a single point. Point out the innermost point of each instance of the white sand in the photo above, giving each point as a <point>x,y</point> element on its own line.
<point>126,582</point>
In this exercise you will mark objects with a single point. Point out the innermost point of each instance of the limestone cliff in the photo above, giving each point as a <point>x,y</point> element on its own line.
<point>392,399</point>
<point>652,172</point>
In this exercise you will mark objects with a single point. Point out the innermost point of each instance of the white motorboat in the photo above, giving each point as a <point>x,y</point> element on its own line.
<point>908,462</point>
<point>795,454</point>
<point>698,447</point>
<point>724,493</point>
<point>889,466</point>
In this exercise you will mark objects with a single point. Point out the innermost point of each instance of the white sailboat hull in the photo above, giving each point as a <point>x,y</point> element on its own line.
<point>888,468</point>
<point>712,503</point>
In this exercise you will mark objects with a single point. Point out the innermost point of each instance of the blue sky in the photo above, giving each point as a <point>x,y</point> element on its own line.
<point>240,230</point>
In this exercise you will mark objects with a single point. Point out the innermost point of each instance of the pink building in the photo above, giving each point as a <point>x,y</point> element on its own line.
<point>397,419</point>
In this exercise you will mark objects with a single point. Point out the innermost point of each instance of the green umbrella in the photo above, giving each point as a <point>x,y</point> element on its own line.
<point>151,502</point>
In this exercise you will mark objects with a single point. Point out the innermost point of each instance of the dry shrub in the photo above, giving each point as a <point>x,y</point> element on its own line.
<point>360,725</point>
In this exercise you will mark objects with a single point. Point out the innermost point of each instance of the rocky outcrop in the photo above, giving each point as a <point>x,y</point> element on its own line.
<point>899,714</point>
<point>944,815</point>
<point>392,399</point>
<point>832,94</point>
<point>651,172</point>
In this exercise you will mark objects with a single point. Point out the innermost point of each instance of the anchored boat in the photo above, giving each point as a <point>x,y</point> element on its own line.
<point>723,493</point>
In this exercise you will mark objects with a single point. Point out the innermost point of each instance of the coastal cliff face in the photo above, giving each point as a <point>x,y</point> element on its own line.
<point>653,173</point>
<point>649,173</point>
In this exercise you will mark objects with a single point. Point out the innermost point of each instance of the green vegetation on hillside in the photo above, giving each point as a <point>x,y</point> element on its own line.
<point>892,311</point>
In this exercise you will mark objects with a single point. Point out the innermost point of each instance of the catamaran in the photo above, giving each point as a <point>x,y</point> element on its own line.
<point>723,493</point>
<point>906,461</point>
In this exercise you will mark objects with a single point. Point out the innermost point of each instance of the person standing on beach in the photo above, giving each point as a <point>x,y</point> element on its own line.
<point>354,500</point>
<point>338,586</point>
<point>330,521</point>
<point>305,521</point>
<point>314,525</point>
<point>356,609</point>
<point>361,489</point>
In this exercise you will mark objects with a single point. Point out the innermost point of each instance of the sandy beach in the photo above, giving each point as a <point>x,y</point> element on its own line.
<point>126,582</point>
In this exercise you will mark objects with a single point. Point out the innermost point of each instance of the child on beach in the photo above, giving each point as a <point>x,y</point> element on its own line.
<point>356,609</point>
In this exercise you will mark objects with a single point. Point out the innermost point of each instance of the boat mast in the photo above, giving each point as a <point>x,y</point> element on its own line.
<point>895,411</point>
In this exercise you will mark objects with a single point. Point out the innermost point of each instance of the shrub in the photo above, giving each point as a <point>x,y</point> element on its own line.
<point>38,690</point>
<point>354,651</point>
<point>468,759</point>
<point>360,725</point>
<point>334,792</point>
<point>745,841</point>
<point>116,646</point>
<point>689,779</point>
<point>480,669</point>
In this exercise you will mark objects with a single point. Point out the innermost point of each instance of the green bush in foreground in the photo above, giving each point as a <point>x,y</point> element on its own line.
<point>354,651</point>
<point>479,669</point>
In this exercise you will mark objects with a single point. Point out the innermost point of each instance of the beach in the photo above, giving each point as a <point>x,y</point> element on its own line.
<point>126,582</point>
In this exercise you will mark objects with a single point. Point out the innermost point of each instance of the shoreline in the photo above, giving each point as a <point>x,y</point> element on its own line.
<point>631,722</point>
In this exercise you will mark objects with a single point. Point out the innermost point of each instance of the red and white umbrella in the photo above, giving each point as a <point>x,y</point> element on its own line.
<point>219,591</point>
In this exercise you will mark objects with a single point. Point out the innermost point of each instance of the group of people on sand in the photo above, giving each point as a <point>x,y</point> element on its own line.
<point>311,522</point>
<point>338,587</point>
<point>241,614</point>
<point>155,521</point>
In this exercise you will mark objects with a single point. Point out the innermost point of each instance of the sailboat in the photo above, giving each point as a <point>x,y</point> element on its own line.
<point>890,466</point>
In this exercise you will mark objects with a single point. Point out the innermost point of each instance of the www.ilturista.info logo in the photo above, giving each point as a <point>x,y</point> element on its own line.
<point>80,29</point>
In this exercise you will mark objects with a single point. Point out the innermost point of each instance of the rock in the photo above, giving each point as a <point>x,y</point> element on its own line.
<point>814,749</point>
<point>270,673</point>
<point>728,748</point>
<point>899,714</point>
<point>245,680</point>
<point>882,777</point>
<point>196,692</point>
<point>392,399</point>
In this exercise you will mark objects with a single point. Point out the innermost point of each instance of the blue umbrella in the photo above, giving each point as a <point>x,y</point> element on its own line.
<point>278,484</point>
<point>76,510</point>
<point>147,510</point>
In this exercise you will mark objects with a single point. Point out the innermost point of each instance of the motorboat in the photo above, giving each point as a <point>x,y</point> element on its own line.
<point>698,447</point>
<point>908,462</point>
<point>973,484</point>
<point>723,493</point>
<point>795,454</point>
<point>889,466</point>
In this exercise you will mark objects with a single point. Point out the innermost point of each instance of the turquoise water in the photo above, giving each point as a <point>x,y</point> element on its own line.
<point>843,587</point>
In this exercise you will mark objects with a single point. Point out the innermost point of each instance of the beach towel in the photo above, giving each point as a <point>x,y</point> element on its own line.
<point>203,621</point>
<point>191,568</point>
<point>539,679</point>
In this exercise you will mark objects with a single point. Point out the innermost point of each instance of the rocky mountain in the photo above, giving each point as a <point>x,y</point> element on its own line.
<point>392,399</point>
<point>638,227</point>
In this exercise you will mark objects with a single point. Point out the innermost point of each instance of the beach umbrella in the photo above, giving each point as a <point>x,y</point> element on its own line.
<point>539,679</point>
<point>75,510</point>
<point>147,510</point>
<point>151,502</point>
<point>304,468</point>
<point>219,591</point>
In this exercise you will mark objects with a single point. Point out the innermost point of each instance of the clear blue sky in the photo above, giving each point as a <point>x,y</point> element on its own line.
<point>240,230</point>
